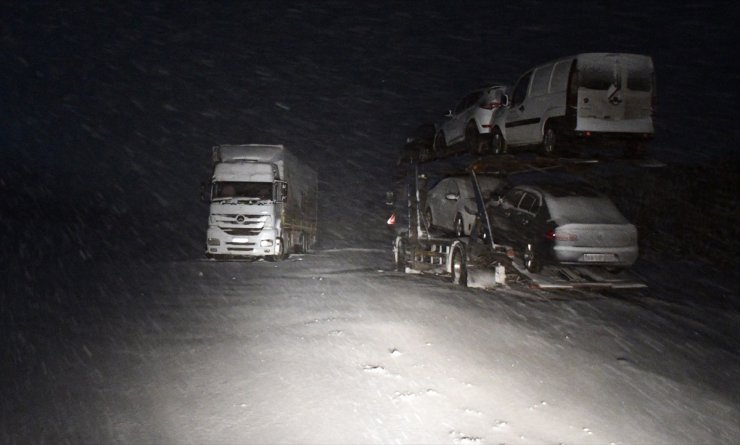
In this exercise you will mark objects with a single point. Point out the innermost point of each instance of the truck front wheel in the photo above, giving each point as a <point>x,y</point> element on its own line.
<point>279,250</point>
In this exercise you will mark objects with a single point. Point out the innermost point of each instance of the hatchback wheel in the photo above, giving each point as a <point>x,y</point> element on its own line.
<point>472,138</point>
<point>440,146</point>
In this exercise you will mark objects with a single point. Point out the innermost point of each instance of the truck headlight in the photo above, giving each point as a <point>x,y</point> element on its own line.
<point>266,243</point>
<point>214,242</point>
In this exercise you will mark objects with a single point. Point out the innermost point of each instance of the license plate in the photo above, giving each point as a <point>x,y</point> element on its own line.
<point>599,257</point>
<point>240,240</point>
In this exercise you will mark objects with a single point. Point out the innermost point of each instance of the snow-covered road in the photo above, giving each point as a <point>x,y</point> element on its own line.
<point>334,347</point>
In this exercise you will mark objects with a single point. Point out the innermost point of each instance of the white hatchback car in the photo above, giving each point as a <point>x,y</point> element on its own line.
<point>450,204</point>
<point>467,127</point>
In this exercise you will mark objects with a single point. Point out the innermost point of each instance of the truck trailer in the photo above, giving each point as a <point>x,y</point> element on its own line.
<point>263,203</point>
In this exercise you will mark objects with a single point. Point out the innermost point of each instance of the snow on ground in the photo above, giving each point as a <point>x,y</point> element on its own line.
<point>334,347</point>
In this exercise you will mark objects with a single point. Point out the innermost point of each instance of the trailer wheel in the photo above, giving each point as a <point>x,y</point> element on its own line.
<point>400,255</point>
<point>458,267</point>
<point>279,251</point>
<point>532,259</point>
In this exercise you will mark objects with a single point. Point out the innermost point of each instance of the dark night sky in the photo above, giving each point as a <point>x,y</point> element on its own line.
<point>109,111</point>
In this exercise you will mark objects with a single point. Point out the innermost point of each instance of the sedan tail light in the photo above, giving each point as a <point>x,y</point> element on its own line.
<point>554,235</point>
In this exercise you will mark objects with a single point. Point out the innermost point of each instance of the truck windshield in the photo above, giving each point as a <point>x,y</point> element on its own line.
<point>253,190</point>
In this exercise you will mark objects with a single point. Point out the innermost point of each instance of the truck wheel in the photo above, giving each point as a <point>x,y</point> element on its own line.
<point>400,255</point>
<point>550,142</point>
<point>459,226</point>
<point>532,259</point>
<point>498,143</point>
<point>458,267</point>
<point>279,251</point>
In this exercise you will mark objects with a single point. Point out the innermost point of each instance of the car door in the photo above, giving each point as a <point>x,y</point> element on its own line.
<point>519,123</point>
<point>524,218</point>
<point>503,215</point>
<point>449,206</point>
<point>455,127</point>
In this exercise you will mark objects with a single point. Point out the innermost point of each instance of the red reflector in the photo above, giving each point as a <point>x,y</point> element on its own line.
<point>392,219</point>
<point>560,236</point>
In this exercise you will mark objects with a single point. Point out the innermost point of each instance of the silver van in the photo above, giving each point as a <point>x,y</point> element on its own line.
<point>592,98</point>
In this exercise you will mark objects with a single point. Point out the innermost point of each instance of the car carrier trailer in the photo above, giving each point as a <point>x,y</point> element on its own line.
<point>479,260</point>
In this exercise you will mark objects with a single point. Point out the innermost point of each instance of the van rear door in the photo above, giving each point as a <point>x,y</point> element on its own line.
<point>615,93</point>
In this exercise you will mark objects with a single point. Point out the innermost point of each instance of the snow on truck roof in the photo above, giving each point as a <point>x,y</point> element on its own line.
<point>248,152</point>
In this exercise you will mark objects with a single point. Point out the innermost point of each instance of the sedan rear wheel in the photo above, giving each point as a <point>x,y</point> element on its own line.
<point>532,259</point>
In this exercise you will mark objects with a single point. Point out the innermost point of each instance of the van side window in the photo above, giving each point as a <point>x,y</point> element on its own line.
<point>541,81</point>
<point>520,90</point>
<point>560,76</point>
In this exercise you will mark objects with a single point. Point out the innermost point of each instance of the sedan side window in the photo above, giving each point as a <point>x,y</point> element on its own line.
<point>529,203</point>
<point>513,197</point>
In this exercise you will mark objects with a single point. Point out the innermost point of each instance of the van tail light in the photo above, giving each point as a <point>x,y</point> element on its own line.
<point>554,235</point>
<point>491,105</point>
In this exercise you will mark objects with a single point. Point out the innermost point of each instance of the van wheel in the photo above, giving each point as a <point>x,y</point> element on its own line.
<point>472,138</point>
<point>532,259</point>
<point>459,227</point>
<point>458,267</point>
<point>550,142</point>
<point>498,144</point>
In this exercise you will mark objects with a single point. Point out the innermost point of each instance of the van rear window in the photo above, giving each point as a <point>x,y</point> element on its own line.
<point>597,77</point>
<point>639,80</point>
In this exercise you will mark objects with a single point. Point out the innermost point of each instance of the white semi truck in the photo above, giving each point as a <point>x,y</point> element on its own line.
<point>263,203</point>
